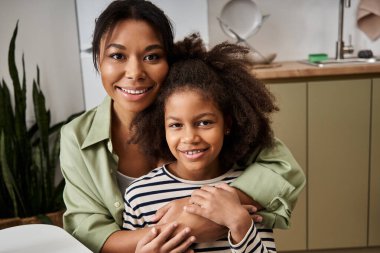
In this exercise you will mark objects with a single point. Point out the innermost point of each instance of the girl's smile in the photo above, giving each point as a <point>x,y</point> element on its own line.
<point>195,130</point>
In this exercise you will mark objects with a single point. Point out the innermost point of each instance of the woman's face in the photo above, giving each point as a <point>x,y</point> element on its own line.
<point>195,130</point>
<point>132,65</point>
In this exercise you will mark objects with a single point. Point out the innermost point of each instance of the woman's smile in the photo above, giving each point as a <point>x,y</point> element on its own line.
<point>135,94</point>
<point>133,65</point>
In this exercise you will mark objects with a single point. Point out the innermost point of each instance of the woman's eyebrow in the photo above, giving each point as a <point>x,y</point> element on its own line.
<point>118,46</point>
<point>152,47</point>
<point>148,48</point>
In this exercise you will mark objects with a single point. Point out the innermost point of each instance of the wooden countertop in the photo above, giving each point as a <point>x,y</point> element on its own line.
<point>298,70</point>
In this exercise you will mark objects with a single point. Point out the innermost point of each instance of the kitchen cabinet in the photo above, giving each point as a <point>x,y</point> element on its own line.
<point>338,164</point>
<point>330,120</point>
<point>290,126</point>
<point>374,194</point>
<point>326,125</point>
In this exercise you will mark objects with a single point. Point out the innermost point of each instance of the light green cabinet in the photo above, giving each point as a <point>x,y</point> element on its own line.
<point>374,203</point>
<point>290,126</point>
<point>338,164</point>
<point>332,128</point>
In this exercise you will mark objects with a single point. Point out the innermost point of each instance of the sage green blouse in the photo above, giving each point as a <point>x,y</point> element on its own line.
<point>94,202</point>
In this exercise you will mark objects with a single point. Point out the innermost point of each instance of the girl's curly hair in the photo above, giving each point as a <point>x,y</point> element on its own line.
<point>223,76</point>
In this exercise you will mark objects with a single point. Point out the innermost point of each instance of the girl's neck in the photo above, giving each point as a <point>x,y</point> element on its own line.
<point>213,171</point>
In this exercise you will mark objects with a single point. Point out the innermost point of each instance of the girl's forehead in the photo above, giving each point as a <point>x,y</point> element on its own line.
<point>188,95</point>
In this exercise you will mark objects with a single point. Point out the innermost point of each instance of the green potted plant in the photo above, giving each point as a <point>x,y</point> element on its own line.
<point>29,156</point>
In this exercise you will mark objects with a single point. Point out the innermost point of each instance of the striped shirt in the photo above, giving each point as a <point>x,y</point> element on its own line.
<point>152,191</point>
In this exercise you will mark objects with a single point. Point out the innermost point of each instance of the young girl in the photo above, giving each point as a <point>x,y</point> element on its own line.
<point>213,113</point>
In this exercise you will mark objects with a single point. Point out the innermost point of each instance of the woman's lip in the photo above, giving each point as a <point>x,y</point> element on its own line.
<point>135,91</point>
<point>134,94</point>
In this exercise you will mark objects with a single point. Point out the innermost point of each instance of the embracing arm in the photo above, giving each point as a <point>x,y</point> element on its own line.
<point>275,180</point>
<point>91,213</point>
<point>93,200</point>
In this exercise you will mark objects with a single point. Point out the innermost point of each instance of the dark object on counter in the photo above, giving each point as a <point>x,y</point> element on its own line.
<point>365,54</point>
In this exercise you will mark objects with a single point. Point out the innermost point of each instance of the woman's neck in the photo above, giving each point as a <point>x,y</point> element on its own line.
<point>132,161</point>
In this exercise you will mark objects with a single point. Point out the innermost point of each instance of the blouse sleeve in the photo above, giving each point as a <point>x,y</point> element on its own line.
<point>87,218</point>
<point>274,179</point>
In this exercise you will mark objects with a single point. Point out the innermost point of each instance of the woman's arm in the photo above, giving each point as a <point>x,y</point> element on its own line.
<point>274,179</point>
<point>159,239</point>
<point>91,198</point>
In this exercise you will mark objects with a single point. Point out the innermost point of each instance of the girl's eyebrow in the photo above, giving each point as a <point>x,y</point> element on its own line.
<point>122,47</point>
<point>194,118</point>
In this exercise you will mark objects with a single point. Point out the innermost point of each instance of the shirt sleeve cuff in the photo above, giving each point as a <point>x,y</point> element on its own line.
<point>242,245</point>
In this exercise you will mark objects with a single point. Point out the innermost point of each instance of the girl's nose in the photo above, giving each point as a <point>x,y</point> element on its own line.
<point>190,136</point>
<point>134,69</point>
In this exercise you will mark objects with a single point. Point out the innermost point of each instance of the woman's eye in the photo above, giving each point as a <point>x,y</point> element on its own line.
<point>152,57</point>
<point>117,56</point>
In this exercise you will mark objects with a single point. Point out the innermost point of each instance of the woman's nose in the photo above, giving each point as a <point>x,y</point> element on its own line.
<point>134,69</point>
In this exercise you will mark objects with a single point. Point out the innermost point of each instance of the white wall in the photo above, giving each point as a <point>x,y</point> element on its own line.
<point>296,28</point>
<point>48,37</point>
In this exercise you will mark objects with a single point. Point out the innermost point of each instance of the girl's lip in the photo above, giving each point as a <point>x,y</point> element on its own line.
<point>193,153</point>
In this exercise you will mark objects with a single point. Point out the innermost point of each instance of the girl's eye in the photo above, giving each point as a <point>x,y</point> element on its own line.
<point>117,56</point>
<point>152,57</point>
<point>205,123</point>
<point>175,125</point>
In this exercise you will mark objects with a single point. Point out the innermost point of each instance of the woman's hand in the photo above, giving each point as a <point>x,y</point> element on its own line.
<point>214,203</point>
<point>203,229</point>
<point>171,211</point>
<point>221,204</point>
<point>164,239</point>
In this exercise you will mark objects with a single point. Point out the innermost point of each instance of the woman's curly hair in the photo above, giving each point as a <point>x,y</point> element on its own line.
<point>222,75</point>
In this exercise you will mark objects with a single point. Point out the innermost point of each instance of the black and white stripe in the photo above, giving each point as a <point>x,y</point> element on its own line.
<point>149,193</point>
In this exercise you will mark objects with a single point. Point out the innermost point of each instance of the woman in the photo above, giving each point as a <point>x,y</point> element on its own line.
<point>132,49</point>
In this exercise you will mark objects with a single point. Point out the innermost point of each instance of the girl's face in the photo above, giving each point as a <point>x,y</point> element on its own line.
<point>132,64</point>
<point>195,130</point>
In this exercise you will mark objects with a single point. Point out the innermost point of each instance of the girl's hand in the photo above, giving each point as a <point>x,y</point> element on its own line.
<point>221,204</point>
<point>163,240</point>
